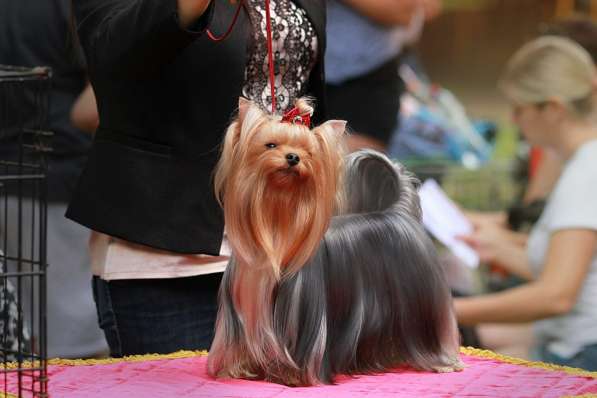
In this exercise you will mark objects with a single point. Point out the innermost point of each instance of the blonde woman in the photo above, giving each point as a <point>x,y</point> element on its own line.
<point>550,83</point>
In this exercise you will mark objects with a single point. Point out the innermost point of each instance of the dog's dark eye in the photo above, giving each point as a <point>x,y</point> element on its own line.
<point>270,145</point>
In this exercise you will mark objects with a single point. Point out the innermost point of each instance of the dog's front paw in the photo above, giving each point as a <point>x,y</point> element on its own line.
<point>243,370</point>
<point>454,365</point>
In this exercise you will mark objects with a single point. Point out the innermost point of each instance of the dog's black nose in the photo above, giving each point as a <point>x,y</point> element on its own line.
<point>293,159</point>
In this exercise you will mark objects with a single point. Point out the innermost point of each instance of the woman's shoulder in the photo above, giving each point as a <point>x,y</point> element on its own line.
<point>581,168</point>
<point>572,202</point>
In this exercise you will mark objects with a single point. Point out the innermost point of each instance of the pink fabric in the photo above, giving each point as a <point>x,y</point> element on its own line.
<point>187,378</point>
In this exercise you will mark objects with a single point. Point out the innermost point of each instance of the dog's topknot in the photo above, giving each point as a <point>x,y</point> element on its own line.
<point>304,105</point>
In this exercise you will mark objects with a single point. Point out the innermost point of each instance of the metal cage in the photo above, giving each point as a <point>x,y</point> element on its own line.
<point>24,97</point>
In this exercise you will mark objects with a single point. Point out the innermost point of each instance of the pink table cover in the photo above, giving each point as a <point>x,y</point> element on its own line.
<point>184,375</point>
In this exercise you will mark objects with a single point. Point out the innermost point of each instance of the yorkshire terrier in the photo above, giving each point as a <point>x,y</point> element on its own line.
<point>373,297</point>
<point>279,183</point>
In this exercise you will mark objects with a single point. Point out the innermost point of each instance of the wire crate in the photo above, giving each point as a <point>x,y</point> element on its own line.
<point>24,96</point>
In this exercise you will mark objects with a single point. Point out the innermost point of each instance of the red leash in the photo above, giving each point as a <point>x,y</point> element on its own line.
<point>270,55</point>
<point>225,35</point>
<point>270,51</point>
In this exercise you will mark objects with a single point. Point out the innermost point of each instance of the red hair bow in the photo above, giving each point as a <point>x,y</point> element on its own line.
<point>294,116</point>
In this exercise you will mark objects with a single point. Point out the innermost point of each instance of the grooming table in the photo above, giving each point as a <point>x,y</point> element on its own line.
<point>183,374</point>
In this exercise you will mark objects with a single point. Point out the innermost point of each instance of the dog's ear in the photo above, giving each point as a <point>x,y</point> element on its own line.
<point>337,126</point>
<point>243,107</point>
<point>248,112</point>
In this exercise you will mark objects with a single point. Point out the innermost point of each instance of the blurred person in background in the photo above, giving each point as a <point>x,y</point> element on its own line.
<point>36,33</point>
<point>366,39</point>
<point>544,165</point>
<point>583,30</point>
<point>542,171</point>
<point>551,85</point>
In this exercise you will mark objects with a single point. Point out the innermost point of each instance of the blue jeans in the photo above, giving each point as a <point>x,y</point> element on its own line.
<point>585,359</point>
<point>141,316</point>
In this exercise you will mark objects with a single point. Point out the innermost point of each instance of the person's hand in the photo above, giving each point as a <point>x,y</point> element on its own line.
<point>500,248</point>
<point>486,241</point>
<point>190,10</point>
<point>83,114</point>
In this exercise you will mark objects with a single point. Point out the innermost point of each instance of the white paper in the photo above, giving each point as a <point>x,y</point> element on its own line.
<point>444,220</point>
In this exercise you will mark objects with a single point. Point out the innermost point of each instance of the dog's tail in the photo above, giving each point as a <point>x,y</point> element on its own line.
<point>374,183</point>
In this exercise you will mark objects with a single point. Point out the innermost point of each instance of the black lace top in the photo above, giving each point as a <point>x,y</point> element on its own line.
<point>295,52</point>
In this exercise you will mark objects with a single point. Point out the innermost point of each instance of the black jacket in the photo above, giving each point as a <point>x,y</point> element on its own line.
<point>165,97</point>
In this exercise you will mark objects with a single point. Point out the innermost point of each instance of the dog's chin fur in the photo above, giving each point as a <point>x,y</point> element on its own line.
<point>371,298</point>
<point>286,177</point>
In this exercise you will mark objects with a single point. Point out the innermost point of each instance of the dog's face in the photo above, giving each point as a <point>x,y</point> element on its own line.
<point>285,156</point>
<point>279,184</point>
